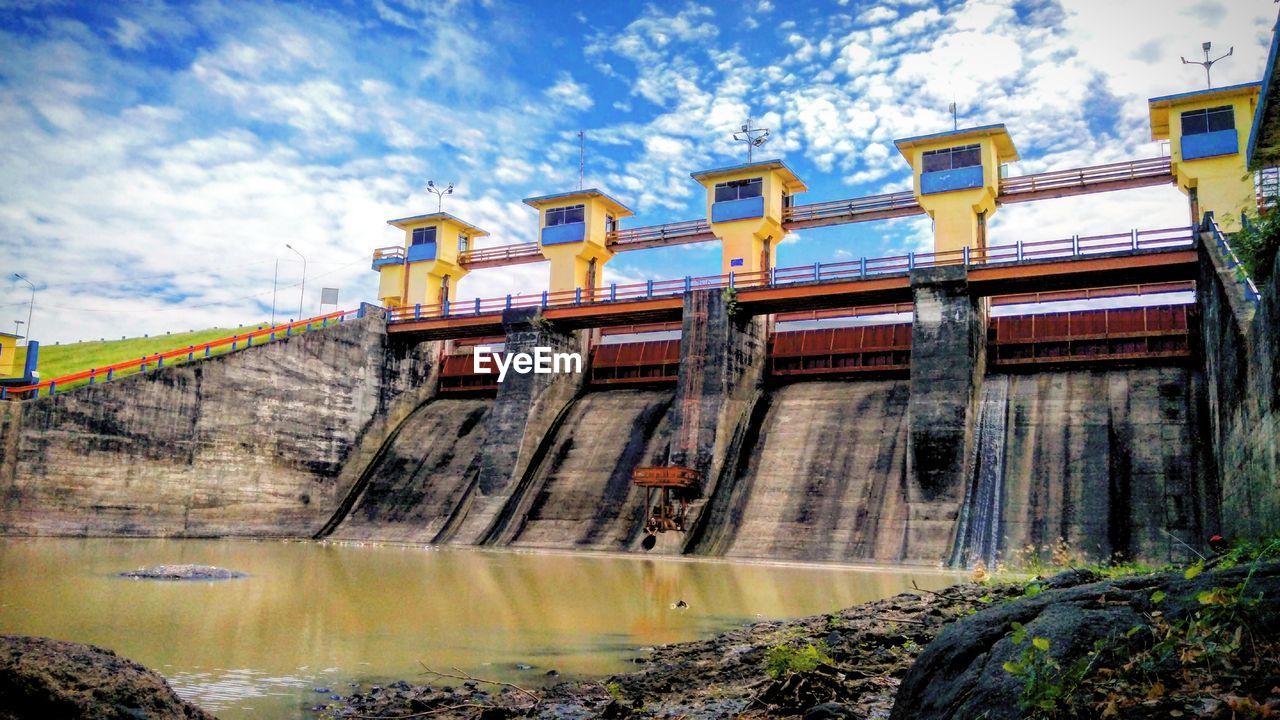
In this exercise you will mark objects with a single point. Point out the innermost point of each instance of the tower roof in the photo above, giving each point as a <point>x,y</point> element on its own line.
<point>1005,151</point>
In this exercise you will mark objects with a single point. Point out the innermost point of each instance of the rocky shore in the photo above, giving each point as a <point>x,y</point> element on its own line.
<point>846,664</point>
<point>1187,644</point>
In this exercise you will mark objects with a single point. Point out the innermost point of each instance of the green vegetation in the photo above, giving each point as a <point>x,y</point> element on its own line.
<point>1046,685</point>
<point>60,360</point>
<point>1256,245</point>
<point>783,659</point>
<point>1216,650</point>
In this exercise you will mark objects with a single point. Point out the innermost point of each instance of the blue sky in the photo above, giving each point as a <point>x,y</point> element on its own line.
<point>157,156</point>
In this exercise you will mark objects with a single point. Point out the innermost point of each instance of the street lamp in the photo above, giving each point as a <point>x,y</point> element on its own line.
<point>431,188</point>
<point>303,292</point>
<point>31,307</point>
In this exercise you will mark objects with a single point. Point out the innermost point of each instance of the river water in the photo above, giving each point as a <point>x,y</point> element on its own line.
<point>313,616</point>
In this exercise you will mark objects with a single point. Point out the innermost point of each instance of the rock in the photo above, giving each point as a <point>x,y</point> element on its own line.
<point>553,673</point>
<point>43,678</point>
<point>828,711</point>
<point>182,572</point>
<point>960,674</point>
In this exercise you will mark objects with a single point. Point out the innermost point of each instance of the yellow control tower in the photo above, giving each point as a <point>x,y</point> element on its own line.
<point>426,269</point>
<point>956,179</point>
<point>8,349</point>
<point>1208,131</point>
<point>745,207</point>
<point>573,233</point>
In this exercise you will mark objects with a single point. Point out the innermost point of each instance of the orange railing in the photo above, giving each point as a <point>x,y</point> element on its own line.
<point>1151,168</point>
<point>1020,252</point>
<point>189,353</point>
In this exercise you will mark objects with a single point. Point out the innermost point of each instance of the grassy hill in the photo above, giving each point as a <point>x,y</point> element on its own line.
<point>57,360</point>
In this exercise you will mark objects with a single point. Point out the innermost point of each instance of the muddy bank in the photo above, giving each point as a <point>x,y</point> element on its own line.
<point>854,658</point>
<point>43,678</point>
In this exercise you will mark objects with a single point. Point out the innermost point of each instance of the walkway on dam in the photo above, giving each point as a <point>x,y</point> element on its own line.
<point>1025,188</point>
<point>1137,256</point>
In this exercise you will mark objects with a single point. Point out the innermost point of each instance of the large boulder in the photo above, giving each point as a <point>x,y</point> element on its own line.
<point>43,678</point>
<point>961,673</point>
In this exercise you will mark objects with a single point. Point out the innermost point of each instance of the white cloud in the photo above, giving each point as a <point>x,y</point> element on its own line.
<point>568,93</point>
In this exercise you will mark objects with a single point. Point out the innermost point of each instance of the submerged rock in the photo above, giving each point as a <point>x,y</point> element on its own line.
<point>182,572</point>
<point>43,678</point>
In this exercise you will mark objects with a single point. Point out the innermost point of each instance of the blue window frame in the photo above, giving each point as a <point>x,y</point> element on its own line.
<point>1216,119</point>
<point>1209,132</point>
<point>566,215</point>
<point>422,236</point>
<point>952,158</point>
<point>739,189</point>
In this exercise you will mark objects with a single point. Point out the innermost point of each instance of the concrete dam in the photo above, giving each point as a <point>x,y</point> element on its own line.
<point>925,432</point>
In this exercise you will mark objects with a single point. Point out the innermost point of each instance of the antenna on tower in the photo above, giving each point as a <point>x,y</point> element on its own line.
<point>1207,63</point>
<point>955,122</point>
<point>753,137</point>
<point>582,156</point>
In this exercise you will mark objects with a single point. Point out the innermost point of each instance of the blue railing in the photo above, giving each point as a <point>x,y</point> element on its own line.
<point>1233,261</point>
<point>742,209</point>
<point>1210,144</point>
<point>566,233</point>
<point>940,181</point>
<point>1134,241</point>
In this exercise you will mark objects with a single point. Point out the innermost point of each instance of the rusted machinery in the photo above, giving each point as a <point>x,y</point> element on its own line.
<point>673,487</point>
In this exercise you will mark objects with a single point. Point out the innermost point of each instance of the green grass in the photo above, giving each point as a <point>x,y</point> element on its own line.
<point>59,360</point>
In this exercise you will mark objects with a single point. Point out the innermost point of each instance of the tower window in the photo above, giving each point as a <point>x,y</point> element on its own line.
<point>952,158</point>
<point>421,236</point>
<point>1199,122</point>
<point>739,189</point>
<point>566,215</point>
<point>463,242</point>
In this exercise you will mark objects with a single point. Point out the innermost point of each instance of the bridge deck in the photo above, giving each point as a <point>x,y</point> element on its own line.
<point>1023,188</point>
<point>1137,257</point>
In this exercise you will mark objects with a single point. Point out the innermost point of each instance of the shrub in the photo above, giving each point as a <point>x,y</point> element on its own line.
<point>782,660</point>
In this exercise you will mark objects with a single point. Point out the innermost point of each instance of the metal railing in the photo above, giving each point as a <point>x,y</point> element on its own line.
<point>187,354</point>
<point>860,269</point>
<point>1085,177</point>
<point>1233,262</point>
<point>835,212</point>
<point>394,253</point>
<point>1266,183</point>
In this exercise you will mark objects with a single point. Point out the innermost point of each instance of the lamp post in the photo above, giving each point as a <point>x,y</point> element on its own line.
<point>17,328</point>
<point>431,188</point>
<point>303,292</point>
<point>275,280</point>
<point>31,307</point>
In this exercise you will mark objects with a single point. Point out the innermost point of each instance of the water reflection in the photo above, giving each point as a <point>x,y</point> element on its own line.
<point>312,615</point>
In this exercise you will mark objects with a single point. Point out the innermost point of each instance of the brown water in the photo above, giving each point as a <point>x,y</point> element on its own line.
<point>325,615</point>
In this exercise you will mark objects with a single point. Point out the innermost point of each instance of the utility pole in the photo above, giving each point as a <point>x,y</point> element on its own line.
<point>275,281</point>
<point>303,292</point>
<point>1207,63</point>
<point>955,122</point>
<point>754,137</point>
<point>30,307</point>
<point>582,156</point>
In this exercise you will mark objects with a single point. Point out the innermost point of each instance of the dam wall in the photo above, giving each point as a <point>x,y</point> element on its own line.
<point>1240,347</point>
<point>254,442</point>
<point>957,458</point>
<point>1111,462</point>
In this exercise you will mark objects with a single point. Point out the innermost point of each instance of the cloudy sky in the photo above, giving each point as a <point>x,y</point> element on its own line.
<point>156,157</point>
